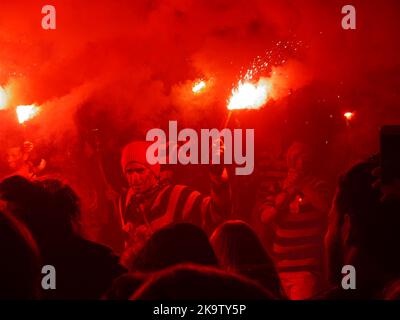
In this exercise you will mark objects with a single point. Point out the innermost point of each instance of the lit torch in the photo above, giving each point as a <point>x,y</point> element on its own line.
<point>25,113</point>
<point>3,98</point>
<point>199,86</point>
<point>249,96</point>
<point>348,115</point>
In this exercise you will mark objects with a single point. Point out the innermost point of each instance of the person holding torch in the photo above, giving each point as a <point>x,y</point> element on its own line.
<point>151,202</point>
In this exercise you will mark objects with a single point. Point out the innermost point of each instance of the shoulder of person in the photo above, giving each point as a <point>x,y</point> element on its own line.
<point>182,187</point>
<point>99,254</point>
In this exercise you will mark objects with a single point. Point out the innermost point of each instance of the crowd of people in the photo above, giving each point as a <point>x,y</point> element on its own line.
<point>182,244</point>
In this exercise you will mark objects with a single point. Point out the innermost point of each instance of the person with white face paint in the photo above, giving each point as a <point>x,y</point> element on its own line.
<point>151,202</point>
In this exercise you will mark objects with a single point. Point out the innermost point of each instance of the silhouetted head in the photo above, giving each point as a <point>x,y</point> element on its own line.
<point>65,205</point>
<point>24,198</point>
<point>194,282</point>
<point>239,249</point>
<point>19,266</point>
<point>354,209</point>
<point>49,208</point>
<point>174,244</point>
<point>237,245</point>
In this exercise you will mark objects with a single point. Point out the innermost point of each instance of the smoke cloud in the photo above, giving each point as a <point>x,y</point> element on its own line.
<point>131,65</point>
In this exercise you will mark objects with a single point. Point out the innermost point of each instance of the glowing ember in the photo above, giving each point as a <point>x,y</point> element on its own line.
<point>3,98</point>
<point>348,115</point>
<point>199,86</point>
<point>25,113</point>
<point>250,96</point>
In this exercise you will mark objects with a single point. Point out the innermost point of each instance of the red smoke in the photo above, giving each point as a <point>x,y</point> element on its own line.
<point>133,63</point>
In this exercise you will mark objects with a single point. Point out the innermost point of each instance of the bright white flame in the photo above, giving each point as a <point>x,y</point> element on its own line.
<point>250,96</point>
<point>25,113</point>
<point>199,86</point>
<point>3,98</point>
<point>348,115</point>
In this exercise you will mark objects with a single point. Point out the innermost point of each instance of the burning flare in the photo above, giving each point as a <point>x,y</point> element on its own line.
<point>250,96</point>
<point>3,98</point>
<point>349,115</point>
<point>199,86</point>
<point>25,113</point>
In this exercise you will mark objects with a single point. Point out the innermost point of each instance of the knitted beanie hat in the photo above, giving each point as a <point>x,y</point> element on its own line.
<point>135,151</point>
